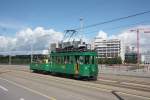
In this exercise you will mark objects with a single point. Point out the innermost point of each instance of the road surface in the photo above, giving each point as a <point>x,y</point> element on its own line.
<point>17,83</point>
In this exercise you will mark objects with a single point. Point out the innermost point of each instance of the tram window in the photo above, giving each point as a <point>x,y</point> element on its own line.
<point>68,60</point>
<point>87,59</point>
<point>77,59</point>
<point>71,59</point>
<point>81,59</point>
<point>92,59</point>
<point>58,60</point>
<point>55,59</point>
<point>65,59</point>
<point>62,60</point>
<point>34,59</point>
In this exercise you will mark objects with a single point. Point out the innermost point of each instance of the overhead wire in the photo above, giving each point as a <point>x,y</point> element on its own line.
<point>114,20</point>
<point>118,27</point>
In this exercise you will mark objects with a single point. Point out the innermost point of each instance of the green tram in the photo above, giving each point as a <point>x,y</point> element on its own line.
<point>76,63</point>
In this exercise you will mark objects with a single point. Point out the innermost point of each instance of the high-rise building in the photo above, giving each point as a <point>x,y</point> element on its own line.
<point>107,48</point>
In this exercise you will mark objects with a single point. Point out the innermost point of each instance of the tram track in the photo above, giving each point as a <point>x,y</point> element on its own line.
<point>143,86</point>
<point>117,83</point>
<point>124,84</point>
<point>111,80</point>
<point>87,84</point>
<point>52,82</point>
<point>98,85</point>
<point>102,78</point>
<point>122,78</point>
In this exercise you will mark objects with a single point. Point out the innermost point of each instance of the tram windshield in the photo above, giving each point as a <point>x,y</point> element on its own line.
<point>86,59</point>
<point>40,59</point>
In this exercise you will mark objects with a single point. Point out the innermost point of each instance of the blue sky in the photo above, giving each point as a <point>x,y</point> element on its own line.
<point>59,15</point>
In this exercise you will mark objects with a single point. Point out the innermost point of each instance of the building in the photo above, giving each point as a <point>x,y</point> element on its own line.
<point>145,58</point>
<point>130,57</point>
<point>107,48</point>
<point>131,54</point>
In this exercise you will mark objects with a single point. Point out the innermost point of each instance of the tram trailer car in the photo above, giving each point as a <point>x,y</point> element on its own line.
<point>78,64</point>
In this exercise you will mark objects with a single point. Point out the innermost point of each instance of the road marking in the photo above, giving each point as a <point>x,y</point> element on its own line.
<point>96,86</point>
<point>90,85</point>
<point>135,84</point>
<point>134,95</point>
<point>3,88</point>
<point>29,89</point>
<point>21,98</point>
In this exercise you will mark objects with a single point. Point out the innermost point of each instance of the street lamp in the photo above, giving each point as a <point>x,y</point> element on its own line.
<point>81,29</point>
<point>31,53</point>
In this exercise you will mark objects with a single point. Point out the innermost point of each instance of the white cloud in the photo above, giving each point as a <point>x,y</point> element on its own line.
<point>102,34</point>
<point>39,37</point>
<point>130,38</point>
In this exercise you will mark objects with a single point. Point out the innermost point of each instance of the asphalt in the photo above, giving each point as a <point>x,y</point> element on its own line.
<point>59,91</point>
<point>9,91</point>
<point>124,71</point>
<point>17,83</point>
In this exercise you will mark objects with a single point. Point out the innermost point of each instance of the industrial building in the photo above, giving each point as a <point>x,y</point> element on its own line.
<point>131,57</point>
<point>107,48</point>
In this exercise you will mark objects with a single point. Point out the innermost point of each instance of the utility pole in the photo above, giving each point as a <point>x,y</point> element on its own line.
<point>81,29</point>
<point>31,53</point>
<point>9,57</point>
<point>31,49</point>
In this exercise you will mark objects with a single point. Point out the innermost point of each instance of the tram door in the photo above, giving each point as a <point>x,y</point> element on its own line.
<point>77,64</point>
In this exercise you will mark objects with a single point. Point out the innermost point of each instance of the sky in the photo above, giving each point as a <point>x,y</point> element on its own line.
<point>19,17</point>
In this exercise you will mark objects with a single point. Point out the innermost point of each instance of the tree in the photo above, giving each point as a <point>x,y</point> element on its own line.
<point>116,60</point>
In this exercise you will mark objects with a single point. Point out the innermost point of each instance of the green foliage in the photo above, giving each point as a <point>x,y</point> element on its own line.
<point>4,59</point>
<point>130,60</point>
<point>116,60</point>
<point>15,59</point>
